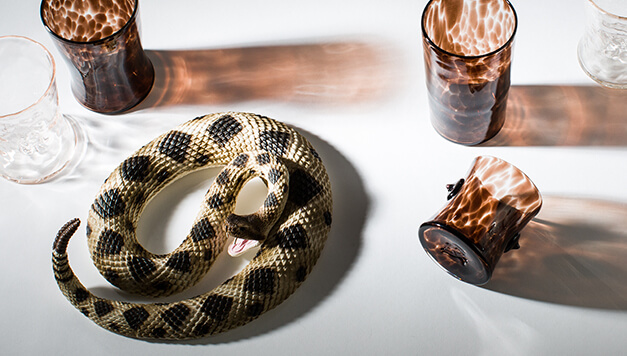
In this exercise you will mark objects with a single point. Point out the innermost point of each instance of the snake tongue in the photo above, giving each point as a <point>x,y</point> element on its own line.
<point>240,246</point>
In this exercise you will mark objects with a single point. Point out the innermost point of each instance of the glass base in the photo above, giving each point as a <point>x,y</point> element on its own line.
<point>70,156</point>
<point>596,75</point>
<point>454,254</point>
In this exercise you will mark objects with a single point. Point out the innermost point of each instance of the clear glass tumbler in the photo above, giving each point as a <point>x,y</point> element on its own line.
<point>36,141</point>
<point>602,50</point>
<point>483,219</point>
<point>467,53</point>
<point>100,39</point>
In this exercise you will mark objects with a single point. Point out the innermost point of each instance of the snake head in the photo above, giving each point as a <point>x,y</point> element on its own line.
<point>247,231</point>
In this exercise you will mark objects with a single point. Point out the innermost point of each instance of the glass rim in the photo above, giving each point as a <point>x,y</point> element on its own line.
<point>51,84</point>
<point>606,12</point>
<point>506,44</point>
<point>101,40</point>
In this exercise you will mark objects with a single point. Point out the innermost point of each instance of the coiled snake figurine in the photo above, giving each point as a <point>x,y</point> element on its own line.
<point>292,226</point>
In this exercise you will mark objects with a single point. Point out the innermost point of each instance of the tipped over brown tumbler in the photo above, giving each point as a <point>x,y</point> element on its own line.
<point>100,40</point>
<point>483,219</point>
<point>467,52</point>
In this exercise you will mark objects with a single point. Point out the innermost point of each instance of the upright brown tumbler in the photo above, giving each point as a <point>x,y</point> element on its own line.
<point>482,220</point>
<point>467,52</point>
<point>100,40</point>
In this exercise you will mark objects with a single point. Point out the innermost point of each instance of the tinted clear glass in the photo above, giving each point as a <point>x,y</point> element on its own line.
<point>469,235</point>
<point>100,40</point>
<point>36,141</point>
<point>603,48</point>
<point>467,52</point>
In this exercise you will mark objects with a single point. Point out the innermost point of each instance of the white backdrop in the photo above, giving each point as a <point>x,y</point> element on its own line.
<point>349,74</point>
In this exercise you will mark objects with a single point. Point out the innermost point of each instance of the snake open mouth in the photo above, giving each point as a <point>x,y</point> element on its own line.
<point>241,246</point>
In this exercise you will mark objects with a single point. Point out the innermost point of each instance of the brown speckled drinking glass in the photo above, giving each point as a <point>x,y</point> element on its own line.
<point>100,40</point>
<point>483,219</point>
<point>467,51</point>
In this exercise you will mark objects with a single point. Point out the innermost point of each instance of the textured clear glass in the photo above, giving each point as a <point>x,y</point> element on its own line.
<point>602,50</point>
<point>467,52</point>
<point>483,219</point>
<point>100,40</point>
<point>36,141</point>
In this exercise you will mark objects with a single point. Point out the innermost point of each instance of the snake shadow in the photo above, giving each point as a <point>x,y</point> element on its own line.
<point>572,254</point>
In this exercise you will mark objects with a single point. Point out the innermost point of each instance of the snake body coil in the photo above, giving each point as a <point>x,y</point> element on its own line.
<point>292,224</point>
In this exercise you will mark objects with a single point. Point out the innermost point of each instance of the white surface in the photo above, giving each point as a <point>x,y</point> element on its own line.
<point>374,291</point>
<point>26,72</point>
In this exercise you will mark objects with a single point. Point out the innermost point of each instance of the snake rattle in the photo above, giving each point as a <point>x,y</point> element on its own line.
<point>291,227</point>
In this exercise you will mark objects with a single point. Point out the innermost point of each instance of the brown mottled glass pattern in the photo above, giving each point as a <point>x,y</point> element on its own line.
<point>467,52</point>
<point>100,40</point>
<point>482,220</point>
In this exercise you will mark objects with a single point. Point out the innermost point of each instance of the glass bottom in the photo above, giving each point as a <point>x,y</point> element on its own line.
<point>605,68</point>
<point>467,129</point>
<point>113,102</point>
<point>69,154</point>
<point>454,254</point>
<point>466,142</point>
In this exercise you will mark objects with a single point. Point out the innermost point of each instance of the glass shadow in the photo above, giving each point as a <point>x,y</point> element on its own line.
<point>573,253</point>
<point>324,73</point>
<point>563,115</point>
<point>331,72</point>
